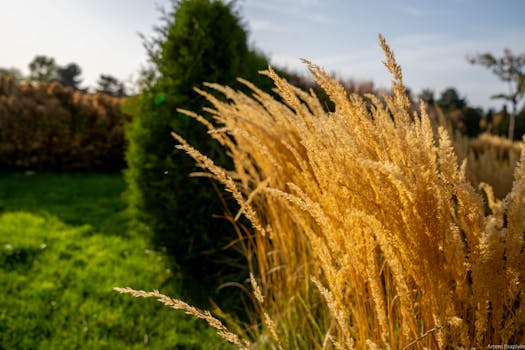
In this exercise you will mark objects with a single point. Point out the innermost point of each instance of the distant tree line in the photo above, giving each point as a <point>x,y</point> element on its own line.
<point>509,68</point>
<point>470,120</point>
<point>44,69</point>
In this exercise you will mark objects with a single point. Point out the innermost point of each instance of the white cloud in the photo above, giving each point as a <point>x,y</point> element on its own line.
<point>267,25</point>
<point>305,9</point>
<point>310,2</point>
<point>413,11</point>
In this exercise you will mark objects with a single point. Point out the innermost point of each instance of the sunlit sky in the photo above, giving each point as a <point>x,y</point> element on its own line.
<point>430,38</point>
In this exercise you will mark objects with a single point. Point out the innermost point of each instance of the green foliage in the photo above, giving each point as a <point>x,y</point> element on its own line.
<point>202,40</point>
<point>15,73</point>
<point>427,95</point>
<point>461,117</point>
<point>68,76</point>
<point>69,197</point>
<point>108,84</point>
<point>450,100</point>
<point>471,121</point>
<point>499,122</point>
<point>61,253</point>
<point>43,69</point>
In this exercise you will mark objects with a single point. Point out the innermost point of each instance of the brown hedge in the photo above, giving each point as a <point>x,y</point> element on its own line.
<point>46,126</point>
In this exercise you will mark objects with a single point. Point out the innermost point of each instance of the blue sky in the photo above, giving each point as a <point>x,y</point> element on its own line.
<point>430,38</point>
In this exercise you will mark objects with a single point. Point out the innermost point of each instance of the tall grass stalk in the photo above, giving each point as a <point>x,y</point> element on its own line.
<point>366,231</point>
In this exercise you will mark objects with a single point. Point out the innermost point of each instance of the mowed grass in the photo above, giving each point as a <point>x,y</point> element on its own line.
<point>64,244</point>
<point>74,198</point>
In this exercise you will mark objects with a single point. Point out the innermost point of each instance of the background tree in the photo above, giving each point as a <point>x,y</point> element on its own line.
<point>462,117</point>
<point>69,75</point>
<point>43,69</point>
<point>200,40</point>
<point>11,72</point>
<point>450,100</point>
<point>510,69</point>
<point>108,84</point>
<point>427,95</point>
<point>471,124</point>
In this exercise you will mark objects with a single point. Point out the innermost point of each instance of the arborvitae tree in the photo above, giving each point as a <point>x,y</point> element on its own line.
<point>202,40</point>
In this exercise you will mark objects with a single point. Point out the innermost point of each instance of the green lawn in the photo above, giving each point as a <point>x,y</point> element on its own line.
<point>63,247</point>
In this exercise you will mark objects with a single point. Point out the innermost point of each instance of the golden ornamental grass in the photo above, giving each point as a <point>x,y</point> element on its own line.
<point>367,232</point>
<point>490,159</point>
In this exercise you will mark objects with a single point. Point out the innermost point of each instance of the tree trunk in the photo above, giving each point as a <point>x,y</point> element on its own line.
<point>512,121</point>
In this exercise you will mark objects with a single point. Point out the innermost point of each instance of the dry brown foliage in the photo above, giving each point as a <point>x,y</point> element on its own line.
<point>47,126</point>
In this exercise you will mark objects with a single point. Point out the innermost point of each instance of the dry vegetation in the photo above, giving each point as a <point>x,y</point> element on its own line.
<point>366,232</point>
<point>51,127</point>
<point>490,159</point>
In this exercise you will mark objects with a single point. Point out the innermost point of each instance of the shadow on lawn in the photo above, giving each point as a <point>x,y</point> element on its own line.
<point>77,199</point>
